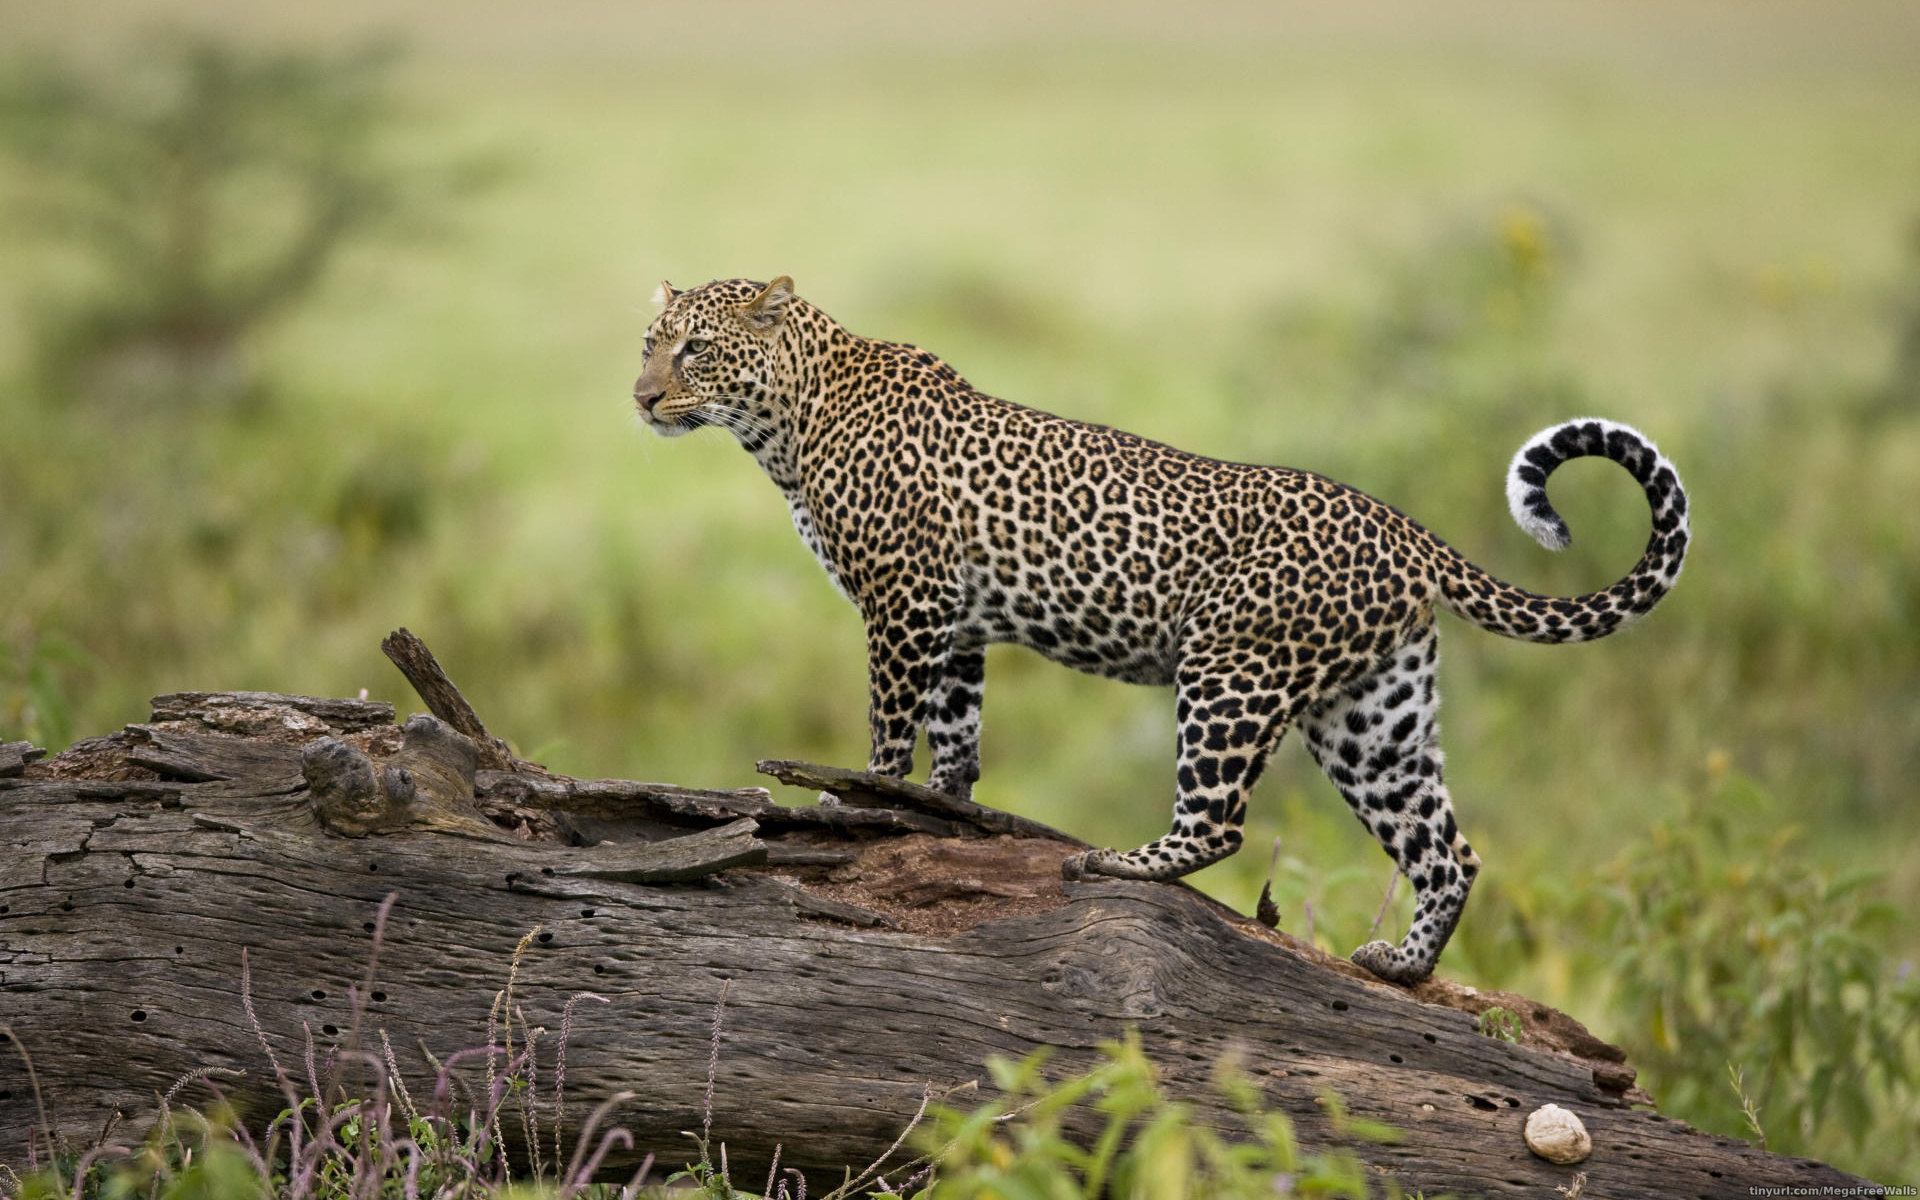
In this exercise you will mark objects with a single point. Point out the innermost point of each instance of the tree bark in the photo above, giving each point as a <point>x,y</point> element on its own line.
<point>870,951</point>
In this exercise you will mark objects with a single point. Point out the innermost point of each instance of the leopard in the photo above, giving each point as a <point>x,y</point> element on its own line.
<point>1266,597</point>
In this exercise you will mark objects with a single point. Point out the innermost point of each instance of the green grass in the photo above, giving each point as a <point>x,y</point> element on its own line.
<point>1386,248</point>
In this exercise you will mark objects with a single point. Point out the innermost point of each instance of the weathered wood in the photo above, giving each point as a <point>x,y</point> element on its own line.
<point>426,784</point>
<point>269,714</point>
<point>14,757</point>
<point>206,757</point>
<point>867,790</point>
<point>902,960</point>
<point>444,700</point>
<point>674,860</point>
<point>623,799</point>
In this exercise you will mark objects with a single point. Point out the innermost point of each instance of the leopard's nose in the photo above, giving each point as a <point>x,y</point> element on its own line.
<point>646,397</point>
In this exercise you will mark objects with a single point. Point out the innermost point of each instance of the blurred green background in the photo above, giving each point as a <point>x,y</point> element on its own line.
<point>321,320</point>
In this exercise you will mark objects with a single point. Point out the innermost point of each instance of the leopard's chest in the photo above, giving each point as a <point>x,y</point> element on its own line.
<point>803,524</point>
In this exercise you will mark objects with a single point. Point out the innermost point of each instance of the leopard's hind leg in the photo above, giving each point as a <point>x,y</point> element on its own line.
<point>1378,741</point>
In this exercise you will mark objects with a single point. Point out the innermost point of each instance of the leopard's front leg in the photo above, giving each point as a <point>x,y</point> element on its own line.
<point>906,660</point>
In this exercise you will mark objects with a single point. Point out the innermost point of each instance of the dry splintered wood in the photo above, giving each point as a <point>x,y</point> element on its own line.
<point>444,700</point>
<point>886,793</point>
<point>868,954</point>
<point>14,757</point>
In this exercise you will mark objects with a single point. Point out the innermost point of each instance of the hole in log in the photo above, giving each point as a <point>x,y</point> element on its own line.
<point>586,912</point>
<point>1395,1058</point>
<point>368,927</point>
<point>1430,1037</point>
<point>6,1093</point>
<point>511,877</point>
<point>67,904</point>
<point>379,996</point>
<point>598,969</point>
<point>1337,1005</point>
<point>546,937</point>
<point>318,994</point>
<point>547,871</point>
<point>6,908</point>
<point>139,1014</point>
<point>179,949</point>
<point>128,883</point>
<point>1483,1104</point>
<point>1541,1014</point>
<point>373,867</point>
<point>1512,1103</point>
<point>329,1030</point>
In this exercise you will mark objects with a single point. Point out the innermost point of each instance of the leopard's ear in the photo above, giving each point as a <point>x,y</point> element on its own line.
<point>766,310</point>
<point>664,294</point>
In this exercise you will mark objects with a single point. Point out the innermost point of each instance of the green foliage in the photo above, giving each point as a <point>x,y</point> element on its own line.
<point>192,1156</point>
<point>1730,950</point>
<point>1024,1146</point>
<point>185,1155</point>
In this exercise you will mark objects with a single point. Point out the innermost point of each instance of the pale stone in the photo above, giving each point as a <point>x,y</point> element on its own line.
<point>1557,1135</point>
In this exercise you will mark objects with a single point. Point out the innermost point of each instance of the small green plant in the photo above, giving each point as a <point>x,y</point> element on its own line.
<point>1500,1023</point>
<point>1747,1107</point>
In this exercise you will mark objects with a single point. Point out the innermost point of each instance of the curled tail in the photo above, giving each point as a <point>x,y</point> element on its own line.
<point>1470,592</point>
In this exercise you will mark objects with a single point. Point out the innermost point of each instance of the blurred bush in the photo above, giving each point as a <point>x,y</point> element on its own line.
<point>202,189</point>
<point>1729,950</point>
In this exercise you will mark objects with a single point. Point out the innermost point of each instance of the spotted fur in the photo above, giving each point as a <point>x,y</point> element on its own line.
<point>1266,596</point>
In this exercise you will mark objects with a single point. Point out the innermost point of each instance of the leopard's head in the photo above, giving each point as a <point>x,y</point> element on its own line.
<point>713,359</point>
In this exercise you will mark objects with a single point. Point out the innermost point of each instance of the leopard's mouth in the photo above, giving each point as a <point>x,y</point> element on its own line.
<point>672,420</point>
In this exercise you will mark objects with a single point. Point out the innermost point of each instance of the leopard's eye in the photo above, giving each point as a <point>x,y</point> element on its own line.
<point>697,345</point>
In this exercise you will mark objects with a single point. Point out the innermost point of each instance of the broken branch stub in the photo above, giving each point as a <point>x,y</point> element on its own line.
<point>444,700</point>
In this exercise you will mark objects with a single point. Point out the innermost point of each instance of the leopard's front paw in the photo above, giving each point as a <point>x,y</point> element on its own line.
<point>1391,963</point>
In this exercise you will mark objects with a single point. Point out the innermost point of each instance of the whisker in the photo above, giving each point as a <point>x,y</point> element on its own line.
<point>740,420</point>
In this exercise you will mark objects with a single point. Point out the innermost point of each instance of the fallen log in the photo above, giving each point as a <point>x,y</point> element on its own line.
<point>870,951</point>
